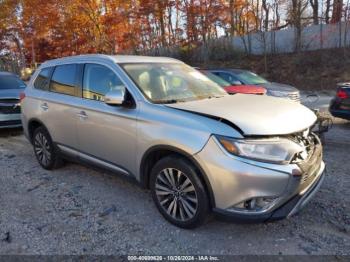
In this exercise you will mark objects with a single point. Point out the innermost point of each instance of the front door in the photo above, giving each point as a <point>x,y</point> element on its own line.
<point>106,133</point>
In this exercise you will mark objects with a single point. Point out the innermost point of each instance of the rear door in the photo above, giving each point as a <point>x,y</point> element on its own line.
<point>58,105</point>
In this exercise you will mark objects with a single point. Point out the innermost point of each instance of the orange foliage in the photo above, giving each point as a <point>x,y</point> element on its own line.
<point>47,29</point>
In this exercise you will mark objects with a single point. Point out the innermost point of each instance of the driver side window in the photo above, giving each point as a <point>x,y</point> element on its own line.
<point>98,81</point>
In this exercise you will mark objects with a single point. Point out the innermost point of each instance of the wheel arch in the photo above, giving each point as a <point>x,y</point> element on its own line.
<point>155,153</point>
<point>33,124</point>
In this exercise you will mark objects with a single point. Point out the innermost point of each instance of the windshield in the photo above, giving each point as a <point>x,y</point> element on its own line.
<point>221,82</point>
<point>11,82</point>
<point>172,82</point>
<point>250,78</point>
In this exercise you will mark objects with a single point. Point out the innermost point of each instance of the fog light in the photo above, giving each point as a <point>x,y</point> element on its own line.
<point>255,204</point>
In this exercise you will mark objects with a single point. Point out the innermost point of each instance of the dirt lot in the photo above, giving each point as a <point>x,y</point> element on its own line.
<point>78,210</point>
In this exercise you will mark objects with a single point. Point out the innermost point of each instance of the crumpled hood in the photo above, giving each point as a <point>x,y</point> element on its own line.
<point>255,115</point>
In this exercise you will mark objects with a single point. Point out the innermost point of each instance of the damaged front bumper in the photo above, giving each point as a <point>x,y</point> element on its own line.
<point>237,182</point>
<point>288,209</point>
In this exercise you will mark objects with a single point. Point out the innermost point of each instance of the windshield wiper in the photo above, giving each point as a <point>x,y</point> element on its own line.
<point>169,101</point>
<point>210,97</point>
<point>174,101</point>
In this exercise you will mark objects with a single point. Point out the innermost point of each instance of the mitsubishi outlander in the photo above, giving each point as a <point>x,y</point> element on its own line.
<point>165,124</point>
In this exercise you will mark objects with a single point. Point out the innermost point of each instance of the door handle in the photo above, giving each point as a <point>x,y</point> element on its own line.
<point>82,115</point>
<point>44,106</point>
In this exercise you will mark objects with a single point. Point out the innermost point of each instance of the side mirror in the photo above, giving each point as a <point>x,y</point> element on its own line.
<point>115,97</point>
<point>236,83</point>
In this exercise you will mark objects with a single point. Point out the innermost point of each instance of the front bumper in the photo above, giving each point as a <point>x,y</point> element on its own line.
<point>234,180</point>
<point>290,208</point>
<point>10,120</point>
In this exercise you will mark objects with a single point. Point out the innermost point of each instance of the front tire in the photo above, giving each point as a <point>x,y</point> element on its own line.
<point>178,192</point>
<point>44,149</point>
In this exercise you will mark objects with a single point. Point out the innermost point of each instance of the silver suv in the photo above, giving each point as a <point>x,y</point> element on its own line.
<point>163,123</point>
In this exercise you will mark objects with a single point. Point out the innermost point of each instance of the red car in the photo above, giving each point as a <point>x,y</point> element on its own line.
<point>234,89</point>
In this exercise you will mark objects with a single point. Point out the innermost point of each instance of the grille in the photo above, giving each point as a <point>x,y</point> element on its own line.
<point>312,166</point>
<point>9,106</point>
<point>312,163</point>
<point>294,96</point>
<point>307,140</point>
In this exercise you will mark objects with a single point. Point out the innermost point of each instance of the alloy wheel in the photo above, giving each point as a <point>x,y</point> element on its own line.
<point>176,194</point>
<point>42,149</point>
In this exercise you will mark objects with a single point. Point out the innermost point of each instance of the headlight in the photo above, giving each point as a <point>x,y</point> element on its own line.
<point>278,94</point>
<point>277,150</point>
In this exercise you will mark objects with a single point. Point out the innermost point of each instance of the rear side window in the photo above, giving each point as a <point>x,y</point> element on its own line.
<point>42,80</point>
<point>63,79</point>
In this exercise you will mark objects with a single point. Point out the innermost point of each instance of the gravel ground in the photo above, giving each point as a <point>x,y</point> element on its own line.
<point>79,210</point>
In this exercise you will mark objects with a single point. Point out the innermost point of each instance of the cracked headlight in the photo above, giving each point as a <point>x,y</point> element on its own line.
<point>276,150</point>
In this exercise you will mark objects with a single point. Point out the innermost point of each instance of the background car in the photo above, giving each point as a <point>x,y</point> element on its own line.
<point>340,105</point>
<point>234,89</point>
<point>244,77</point>
<point>11,87</point>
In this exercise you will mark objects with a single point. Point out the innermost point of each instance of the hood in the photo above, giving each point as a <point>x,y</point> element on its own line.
<point>254,115</point>
<point>10,93</point>
<point>279,87</point>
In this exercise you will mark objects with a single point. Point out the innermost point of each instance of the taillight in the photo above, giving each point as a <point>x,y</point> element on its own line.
<point>342,94</point>
<point>22,95</point>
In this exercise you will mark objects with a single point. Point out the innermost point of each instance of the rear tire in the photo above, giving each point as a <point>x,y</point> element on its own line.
<point>178,192</point>
<point>44,149</point>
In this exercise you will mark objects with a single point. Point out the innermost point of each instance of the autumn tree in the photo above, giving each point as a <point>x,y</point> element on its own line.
<point>11,30</point>
<point>296,14</point>
<point>328,8</point>
<point>337,11</point>
<point>315,9</point>
<point>36,30</point>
